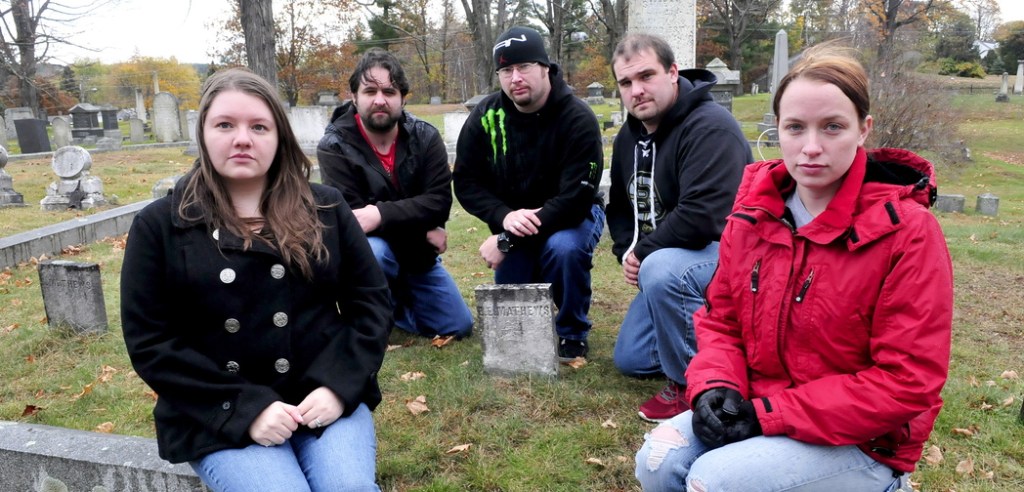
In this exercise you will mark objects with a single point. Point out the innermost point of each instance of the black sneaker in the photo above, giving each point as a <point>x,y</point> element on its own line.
<point>571,349</point>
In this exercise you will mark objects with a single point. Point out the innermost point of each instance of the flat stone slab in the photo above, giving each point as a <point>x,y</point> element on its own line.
<point>518,329</point>
<point>29,453</point>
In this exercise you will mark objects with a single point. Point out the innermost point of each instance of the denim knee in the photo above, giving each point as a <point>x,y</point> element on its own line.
<point>664,460</point>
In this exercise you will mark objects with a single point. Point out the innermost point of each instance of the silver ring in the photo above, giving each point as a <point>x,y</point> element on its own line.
<point>317,424</point>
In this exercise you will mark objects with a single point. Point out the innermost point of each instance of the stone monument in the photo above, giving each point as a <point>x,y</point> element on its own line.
<point>987,204</point>
<point>308,123</point>
<point>140,105</point>
<point>75,187</point>
<point>950,203</point>
<point>453,122</point>
<point>61,132</point>
<point>12,114</point>
<point>166,127</point>
<point>73,296</point>
<point>673,20</point>
<point>1003,95</point>
<point>595,93</point>
<point>32,137</point>
<point>1018,83</point>
<point>518,329</point>
<point>192,121</point>
<point>85,122</point>
<point>8,197</point>
<point>136,130</point>
<point>110,127</point>
<point>728,83</point>
<point>768,127</point>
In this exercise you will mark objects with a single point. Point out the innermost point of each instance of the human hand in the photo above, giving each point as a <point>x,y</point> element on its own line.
<point>631,269</point>
<point>711,408</point>
<point>741,423</point>
<point>320,408</point>
<point>522,222</point>
<point>438,238</point>
<point>489,252</point>
<point>368,218</point>
<point>275,424</point>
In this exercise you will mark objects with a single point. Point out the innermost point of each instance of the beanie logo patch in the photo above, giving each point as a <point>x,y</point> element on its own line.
<point>508,42</point>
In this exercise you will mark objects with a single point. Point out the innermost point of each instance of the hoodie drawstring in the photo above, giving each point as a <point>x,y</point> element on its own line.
<point>636,193</point>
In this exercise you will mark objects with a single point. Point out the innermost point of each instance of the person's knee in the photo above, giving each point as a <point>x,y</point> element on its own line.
<point>664,439</point>
<point>673,270</point>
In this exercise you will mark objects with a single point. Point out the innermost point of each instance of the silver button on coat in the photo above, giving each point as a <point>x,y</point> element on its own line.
<point>280,320</point>
<point>232,325</point>
<point>277,271</point>
<point>227,275</point>
<point>282,365</point>
<point>231,366</point>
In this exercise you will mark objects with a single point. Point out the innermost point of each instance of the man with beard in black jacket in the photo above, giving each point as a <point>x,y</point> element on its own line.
<point>393,171</point>
<point>676,165</point>
<point>528,163</point>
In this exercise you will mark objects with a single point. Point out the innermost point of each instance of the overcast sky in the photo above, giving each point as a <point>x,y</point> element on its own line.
<point>179,28</point>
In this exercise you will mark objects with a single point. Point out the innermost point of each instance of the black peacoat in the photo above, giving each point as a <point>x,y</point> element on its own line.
<point>220,333</point>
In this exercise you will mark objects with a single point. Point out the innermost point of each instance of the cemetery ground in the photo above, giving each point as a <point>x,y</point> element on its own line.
<point>471,431</point>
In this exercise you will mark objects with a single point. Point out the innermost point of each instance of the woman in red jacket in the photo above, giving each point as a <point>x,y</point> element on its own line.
<point>825,339</point>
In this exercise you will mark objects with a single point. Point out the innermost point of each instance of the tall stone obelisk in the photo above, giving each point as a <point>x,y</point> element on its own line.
<point>673,20</point>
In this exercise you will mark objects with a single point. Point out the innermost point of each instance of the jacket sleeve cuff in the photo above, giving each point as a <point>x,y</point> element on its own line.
<point>769,417</point>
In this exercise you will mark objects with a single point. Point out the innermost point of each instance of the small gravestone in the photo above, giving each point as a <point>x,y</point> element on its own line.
<point>136,130</point>
<point>13,114</point>
<point>61,132</point>
<point>1003,95</point>
<point>987,204</point>
<point>166,127</point>
<point>595,93</point>
<point>75,187</point>
<point>518,329</point>
<point>435,100</point>
<point>1018,83</point>
<point>8,197</point>
<point>164,187</point>
<point>73,296</point>
<point>85,122</point>
<point>32,137</point>
<point>107,143</point>
<point>950,203</point>
<point>192,120</point>
<point>473,101</point>
<point>110,128</point>
<point>617,118</point>
<point>140,105</point>
<point>308,123</point>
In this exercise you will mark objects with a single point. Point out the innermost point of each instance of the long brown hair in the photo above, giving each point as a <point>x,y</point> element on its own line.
<point>291,223</point>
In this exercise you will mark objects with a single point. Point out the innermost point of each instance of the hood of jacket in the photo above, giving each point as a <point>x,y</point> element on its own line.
<point>694,87</point>
<point>870,203</point>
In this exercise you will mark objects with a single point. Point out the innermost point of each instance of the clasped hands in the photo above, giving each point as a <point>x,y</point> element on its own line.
<point>276,423</point>
<point>521,223</point>
<point>721,416</point>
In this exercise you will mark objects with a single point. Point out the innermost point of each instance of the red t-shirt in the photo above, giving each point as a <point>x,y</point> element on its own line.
<point>387,159</point>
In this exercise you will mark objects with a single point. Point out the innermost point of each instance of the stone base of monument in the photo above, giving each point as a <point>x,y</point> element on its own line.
<point>82,194</point>
<point>517,325</point>
<point>9,197</point>
<point>987,204</point>
<point>950,203</point>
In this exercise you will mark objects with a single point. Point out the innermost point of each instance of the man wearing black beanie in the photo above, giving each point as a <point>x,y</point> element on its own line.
<point>528,163</point>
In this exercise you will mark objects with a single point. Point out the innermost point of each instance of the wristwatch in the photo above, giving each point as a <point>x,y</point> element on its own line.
<point>504,242</point>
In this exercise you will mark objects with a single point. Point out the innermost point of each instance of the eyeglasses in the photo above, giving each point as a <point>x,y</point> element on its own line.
<point>522,68</point>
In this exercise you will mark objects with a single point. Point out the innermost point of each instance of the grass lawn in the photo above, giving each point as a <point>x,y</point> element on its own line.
<point>576,432</point>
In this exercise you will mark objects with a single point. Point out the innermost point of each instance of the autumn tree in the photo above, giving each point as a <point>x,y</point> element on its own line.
<point>984,14</point>
<point>613,15</point>
<point>737,19</point>
<point>257,22</point>
<point>955,33</point>
<point>562,19</point>
<point>888,16</point>
<point>1010,36</point>
<point>487,19</point>
<point>179,79</point>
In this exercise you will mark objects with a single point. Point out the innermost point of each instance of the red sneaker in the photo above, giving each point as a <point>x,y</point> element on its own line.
<point>668,403</point>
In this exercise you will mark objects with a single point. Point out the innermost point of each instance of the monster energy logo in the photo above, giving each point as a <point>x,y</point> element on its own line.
<point>492,121</point>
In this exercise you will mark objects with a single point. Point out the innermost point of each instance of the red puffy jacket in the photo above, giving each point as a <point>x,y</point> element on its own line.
<point>839,332</point>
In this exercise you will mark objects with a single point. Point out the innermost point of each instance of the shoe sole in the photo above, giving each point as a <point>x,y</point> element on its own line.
<point>566,360</point>
<point>648,419</point>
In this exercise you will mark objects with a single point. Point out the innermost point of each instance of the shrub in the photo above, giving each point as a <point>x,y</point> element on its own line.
<point>948,66</point>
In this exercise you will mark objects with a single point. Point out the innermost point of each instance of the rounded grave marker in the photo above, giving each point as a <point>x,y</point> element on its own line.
<point>70,162</point>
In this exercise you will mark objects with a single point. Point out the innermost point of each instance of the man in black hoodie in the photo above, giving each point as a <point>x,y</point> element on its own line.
<point>393,171</point>
<point>528,162</point>
<point>676,165</point>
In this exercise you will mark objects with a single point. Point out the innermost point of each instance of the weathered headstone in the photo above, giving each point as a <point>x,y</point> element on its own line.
<point>780,67</point>
<point>308,123</point>
<point>73,296</point>
<point>1004,88</point>
<point>728,83</point>
<point>75,187</point>
<point>453,123</point>
<point>136,130</point>
<point>435,100</point>
<point>140,105</point>
<point>85,122</point>
<point>164,187</point>
<point>108,143</point>
<point>12,114</point>
<point>8,197</point>
<point>61,132</point>
<point>950,203</point>
<point>673,20</point>
<point>595,93</point>
<point>987,204</point>
<point>192,121</point>
<point>183,122</point>
<point>166,127</point>
<point>110,128</point>
<point>518,329</point>
<point>32,136</point>
<point>617,118</point>
<point>327,98</point>
<point>1018,83</point>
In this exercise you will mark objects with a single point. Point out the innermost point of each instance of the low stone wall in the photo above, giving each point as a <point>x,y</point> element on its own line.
<point>31,453</point>
<point>50,240</point>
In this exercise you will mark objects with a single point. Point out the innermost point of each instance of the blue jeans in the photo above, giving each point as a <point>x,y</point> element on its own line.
<point>673,458</point>
<point>564,261</point>
<point>343,458</point>
<point>427,303</point>
<point>657,333</point>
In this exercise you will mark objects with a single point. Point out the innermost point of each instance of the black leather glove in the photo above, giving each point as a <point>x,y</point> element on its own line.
<point>713,409</point>
<point>742,423</point>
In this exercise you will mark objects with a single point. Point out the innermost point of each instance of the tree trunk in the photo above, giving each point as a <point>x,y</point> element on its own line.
<point>25,22</point>
<point>258,27</point>
<point>614,15</point>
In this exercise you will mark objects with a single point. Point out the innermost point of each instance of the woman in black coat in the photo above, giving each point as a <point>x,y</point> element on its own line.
<point>253,306</point>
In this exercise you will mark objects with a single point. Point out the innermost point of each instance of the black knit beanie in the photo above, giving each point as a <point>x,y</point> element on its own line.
<point>519,45</point>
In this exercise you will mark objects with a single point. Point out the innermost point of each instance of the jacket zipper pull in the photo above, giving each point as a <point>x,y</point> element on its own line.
<point>754,276</point>
<point>807,285</point>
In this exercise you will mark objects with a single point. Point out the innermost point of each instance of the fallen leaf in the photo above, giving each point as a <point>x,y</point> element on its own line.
<point>16,303</point>
<point>106,374</point>
<point>464,363</point>
<point>986,406</point>
<point>31,359</point>
<point>608,424</point>
<point>1009,375</point>
<point>9,328</point>
<point>106,427</point>
<point>151,394</point>
<point>933,456</point>
<point>418,405</point>
<point>471,229</point>
<point>1007,402</point>
<point>392,347</point>
<point>30,410</point>
<point>479,274</point>
<point>974,382</point>
<point>40,392</point>
<point>85,391</point>
<point>989,475</point>
<point>973,238</point>
<point>963,432</point>
<point>623,459</point>
<point>965,467</point>
<point>440,341</point>
<point>412,376</point>
<point>458,449</point>
<point>595,462</point>
<point>990,383</point>
<point>576,363</point>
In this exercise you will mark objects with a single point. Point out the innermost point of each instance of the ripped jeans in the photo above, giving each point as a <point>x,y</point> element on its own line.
<point>674,459</point>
